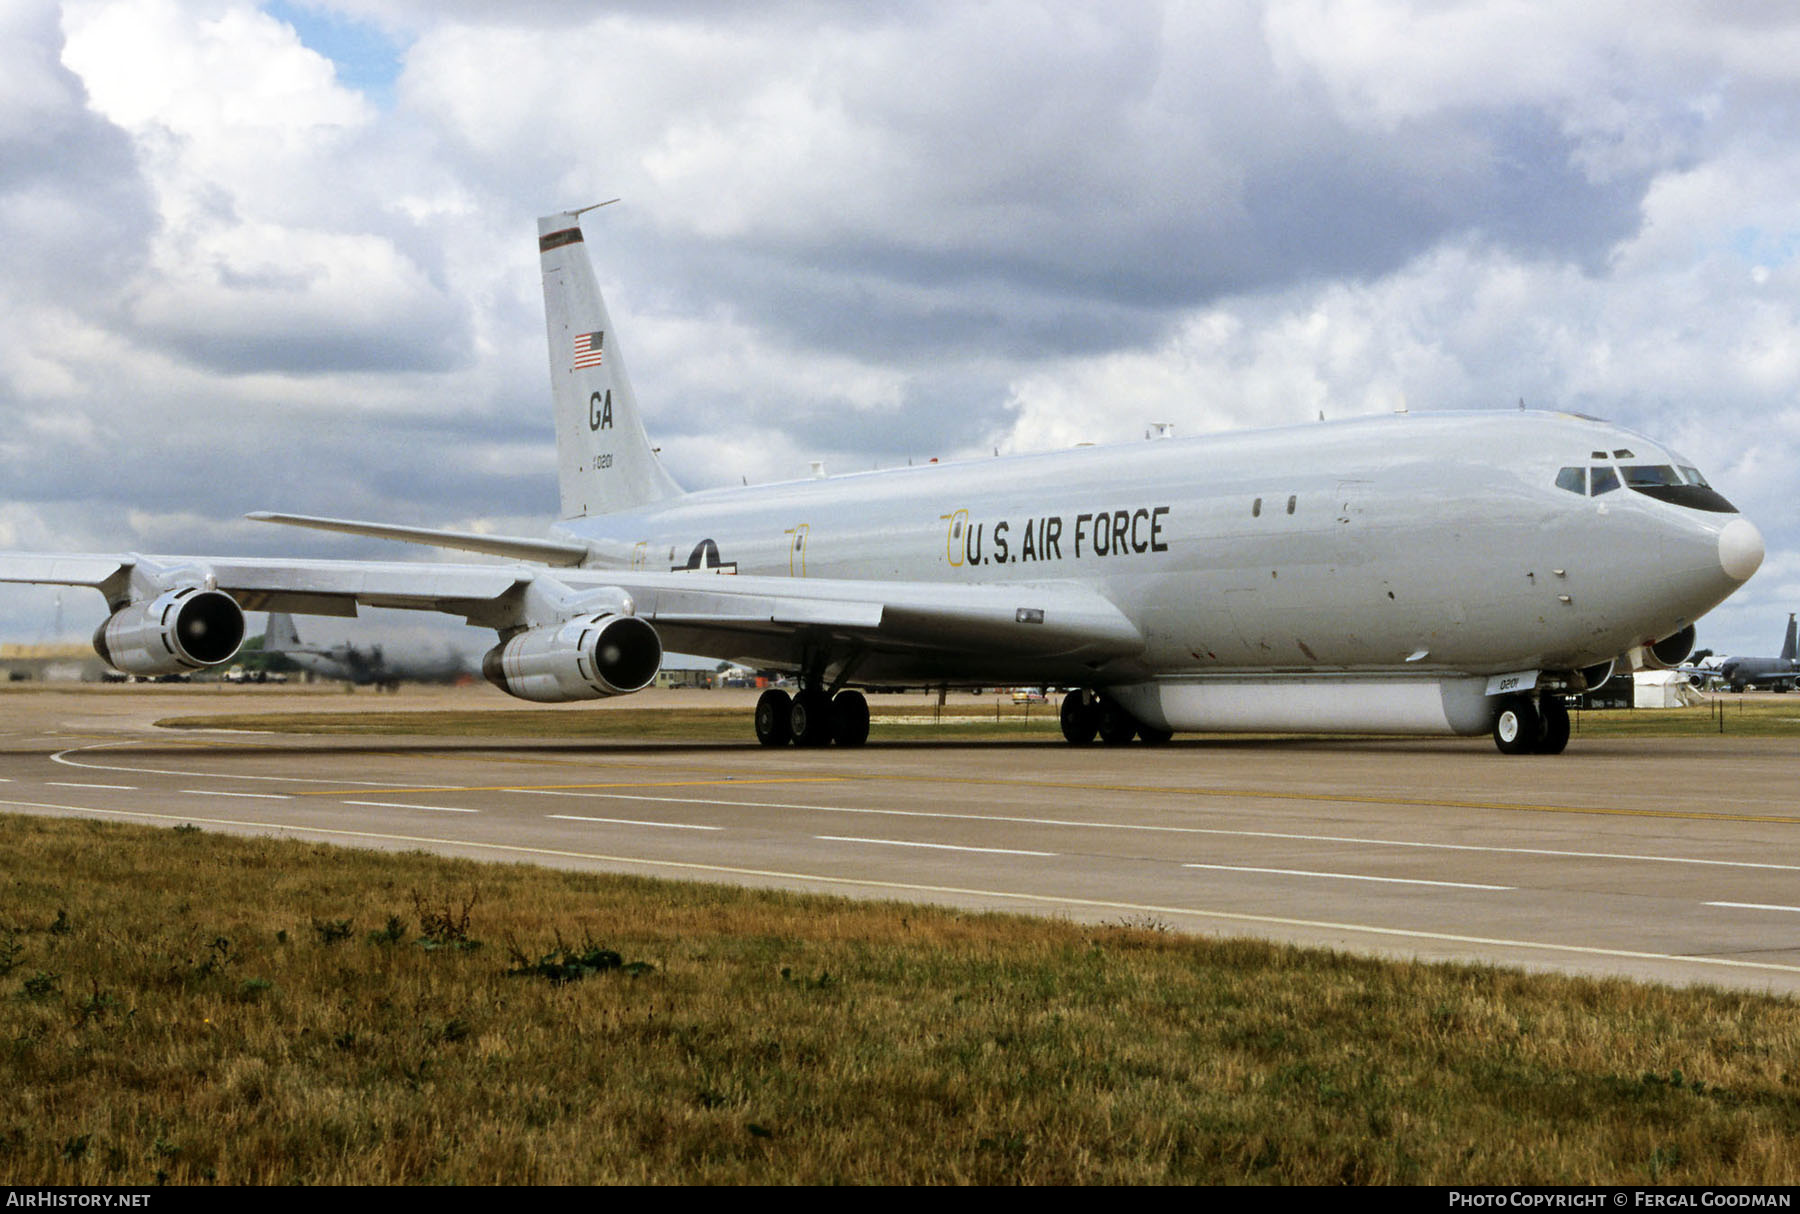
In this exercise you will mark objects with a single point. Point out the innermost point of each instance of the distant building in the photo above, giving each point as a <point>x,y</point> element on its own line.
<point>680,670</point>
<point>65,663</point>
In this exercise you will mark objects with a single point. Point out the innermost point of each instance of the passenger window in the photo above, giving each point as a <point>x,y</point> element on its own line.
<point>1256,508</point>
<point>1573,479</point>
<point>1290,505</point>
<point>1605,481</point>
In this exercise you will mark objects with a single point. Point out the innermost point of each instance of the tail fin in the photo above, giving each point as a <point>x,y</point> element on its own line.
<point>1787,646</point>
<point>603,459</point>
<point>280,636</point>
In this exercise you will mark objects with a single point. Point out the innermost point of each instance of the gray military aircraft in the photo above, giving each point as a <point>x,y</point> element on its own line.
<point>1452,573</point>
<point>1777,674</point>
<point>365,667</point>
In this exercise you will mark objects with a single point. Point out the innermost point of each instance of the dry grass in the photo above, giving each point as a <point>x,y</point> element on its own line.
<point>190,1007</point>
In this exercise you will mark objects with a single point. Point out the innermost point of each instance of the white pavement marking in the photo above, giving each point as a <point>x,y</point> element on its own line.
<point>1298,872</point>
<point>71,784</point>
<point>995,851</point>
<point>1756,906</point>
<point>260,796</point>
<point>632,822</point>
<point>442,809</point>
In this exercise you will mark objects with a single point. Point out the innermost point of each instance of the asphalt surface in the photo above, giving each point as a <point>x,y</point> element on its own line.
<point>1673,860</point>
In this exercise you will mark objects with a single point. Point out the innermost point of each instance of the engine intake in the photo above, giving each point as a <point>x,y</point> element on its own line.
<point>1669,652</point>
<point>178,631</point>
<point>588,657</point>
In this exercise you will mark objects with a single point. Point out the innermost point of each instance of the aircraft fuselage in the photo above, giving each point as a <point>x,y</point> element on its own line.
<point>1402,544</point>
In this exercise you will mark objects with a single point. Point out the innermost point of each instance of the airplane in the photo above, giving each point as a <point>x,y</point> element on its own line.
<point>363,667</point>
<point>1779,674</point>
<point>1412,573</point>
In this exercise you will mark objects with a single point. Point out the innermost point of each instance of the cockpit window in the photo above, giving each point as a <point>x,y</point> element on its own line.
<point>1605,481</point>
<point>1649,476</point>
<point>1573,479</point>
<point>1679,488</point>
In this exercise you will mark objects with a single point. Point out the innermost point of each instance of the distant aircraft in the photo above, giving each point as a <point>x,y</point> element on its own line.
<point>1777,674</point>
<point>1409,574</point>
<point>364,667</point>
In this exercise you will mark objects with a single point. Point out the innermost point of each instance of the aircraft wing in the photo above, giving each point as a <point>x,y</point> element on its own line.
<point>992,620</point>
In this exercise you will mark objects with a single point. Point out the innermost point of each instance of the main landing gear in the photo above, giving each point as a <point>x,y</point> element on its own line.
<point>1087,714</point>
<point>812,718</point>
<point>1528,727</point>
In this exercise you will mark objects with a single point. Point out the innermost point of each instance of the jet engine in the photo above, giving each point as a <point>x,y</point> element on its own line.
<point>1598,675</point>
<point>1667,653</point>
<point>588,657</point>
<point>179,630</point>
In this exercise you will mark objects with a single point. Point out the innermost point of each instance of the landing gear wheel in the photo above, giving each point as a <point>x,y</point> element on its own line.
<point>1556,727</point>
<point>1154,737</point>
<point>1518,728</point>
<point>772,726</point>
<point>1117,727</point>
<point>1080,717</point>
<point>809,718</point>
<point>849,718</point>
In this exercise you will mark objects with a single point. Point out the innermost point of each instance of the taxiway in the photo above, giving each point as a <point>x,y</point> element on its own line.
<point>1672,860</point>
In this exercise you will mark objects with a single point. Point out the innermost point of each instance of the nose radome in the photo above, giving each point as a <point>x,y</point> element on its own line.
<point>1740,549</point>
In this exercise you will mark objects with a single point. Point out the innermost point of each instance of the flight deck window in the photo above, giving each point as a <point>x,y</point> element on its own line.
<point>1665,484</point>
<point>1573,479</point>
<point>1605,481</point>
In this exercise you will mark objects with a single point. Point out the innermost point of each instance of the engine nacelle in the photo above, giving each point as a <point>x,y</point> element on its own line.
<point>1598,675</point>
<point>1667,653</point>
<point>177,631</point>
<point>588,657</point>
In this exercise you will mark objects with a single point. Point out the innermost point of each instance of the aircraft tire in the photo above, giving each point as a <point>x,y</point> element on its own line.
<point>810,719</point>
<point>1555,737</point>
<point>1080,718</point>
<point>849,718</point>
<point>1154,737</point>
<point>1518,727</point>
<point>772,725</point>
<point>1117,727</point>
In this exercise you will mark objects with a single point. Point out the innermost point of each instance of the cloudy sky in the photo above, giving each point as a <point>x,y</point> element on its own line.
<point>282,255</point>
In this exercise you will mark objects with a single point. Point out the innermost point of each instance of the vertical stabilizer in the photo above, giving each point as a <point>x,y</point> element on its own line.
<point>1787,646</point>
<point>603,458</point>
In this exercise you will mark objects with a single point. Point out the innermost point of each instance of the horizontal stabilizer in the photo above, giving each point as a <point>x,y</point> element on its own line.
<point>544,552</point>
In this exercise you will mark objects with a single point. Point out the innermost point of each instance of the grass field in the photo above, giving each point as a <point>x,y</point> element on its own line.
<point>182,1006</point>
